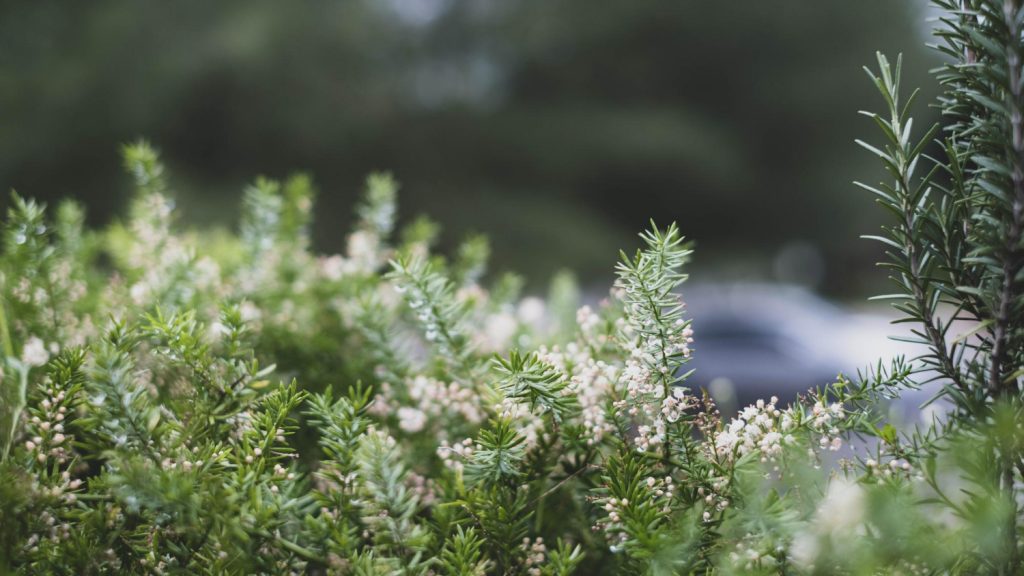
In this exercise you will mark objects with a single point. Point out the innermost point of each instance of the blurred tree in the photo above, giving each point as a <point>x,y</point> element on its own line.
<point>557,127</point>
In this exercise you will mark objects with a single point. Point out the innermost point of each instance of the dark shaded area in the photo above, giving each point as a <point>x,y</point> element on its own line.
<point>558,128</point>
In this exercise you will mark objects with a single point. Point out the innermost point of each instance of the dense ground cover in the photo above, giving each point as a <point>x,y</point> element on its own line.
<point>191,402</point>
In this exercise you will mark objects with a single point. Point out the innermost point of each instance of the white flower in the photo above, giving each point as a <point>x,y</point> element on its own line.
<point>842,510</point>
<point>587,319</point>
<point>332,267</point>
<point>363,250</point>
<point>216,330</point>
<point>411,420</point>
<point>804,550</point>
<point>138,292</point>
<point>725,442</point>
<point>531,310</point>
<point>249,311</point>
<point>34,353</point>
<point>498,332</point>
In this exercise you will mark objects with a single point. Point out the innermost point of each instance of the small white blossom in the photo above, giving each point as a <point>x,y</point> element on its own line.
<point>34,353</point>
<point>411,420</point>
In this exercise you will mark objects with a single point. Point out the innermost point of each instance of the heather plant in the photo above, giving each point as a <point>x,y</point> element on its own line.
<point>180,401</point>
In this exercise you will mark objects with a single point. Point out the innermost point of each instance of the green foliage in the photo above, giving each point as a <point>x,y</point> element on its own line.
<point>650,280</point>
<point>431,298</point>
<point>956,255</point>
<point>182,402</point>
<point>499,453</point>
<point>525,378</point>
<point>462,554</point>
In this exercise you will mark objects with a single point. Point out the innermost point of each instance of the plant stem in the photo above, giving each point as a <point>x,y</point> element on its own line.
<point>5,333</point>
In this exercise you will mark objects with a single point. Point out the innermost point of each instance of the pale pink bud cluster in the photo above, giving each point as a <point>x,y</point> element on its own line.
<point>433,400</point>
<point>364,251</point>
<point>840,515</point>
<point>587,320</point>
<point>663,486</point>
<point>662,490</point>
<point>528,424</point>
<point>151,229</point>
<point>331,267</point>
<point>686,339</point>
<point>590,381</point>
<point>63,492</point>
<point>675,404</point>
<point>455,456</point>
<point>660,344</point>
<point>34,353</point>
<point>824,420</point>
<point>411,420</point>
<point>536,554</point>
<point>613,507</point>
<point>714,496</point>
<point>55,531</point>
<point>532,311</point>
<point>23,291</point>
<point>897,467</point>
<point>383,403</point>
<point>364,254</point>
<point>761,427</point>
<point>183,463</point>
<point>282,473</point>
<point>422,487</point>
<point>649,437</point>
<point>241,424</point>
<point>498,330</point>
<point>48,440</point>
<point>748,557</point>
<point>647,403</point>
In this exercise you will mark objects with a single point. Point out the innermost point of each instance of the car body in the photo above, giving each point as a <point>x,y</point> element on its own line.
<point>759,340</point>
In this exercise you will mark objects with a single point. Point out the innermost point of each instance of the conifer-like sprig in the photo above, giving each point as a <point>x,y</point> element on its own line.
<point>915,269</point>
<point>29,291</point>
<point>53,413</point>
<point>151,208</point>
<point>462,555</point>
<point>378,210</point>
<point>341,423</point>
<point>374,321</point>
<point>14,393</point>
<point>984,101</point>
<point>498,455</point>
<point>262,208</point>
<point>264,442</point>
<point>178,337</point>
<point>634,515</point>
<point>471,261</point>
<point>142,161</point>
<point>957,251</point>
<point>526,378</point>
<point>274,231</point>
<point>502,515</point>
<point>26,235</point>
<point>654,309</point>
<point>389,506</point>
<point>431,298</point>
<point>122,413</point>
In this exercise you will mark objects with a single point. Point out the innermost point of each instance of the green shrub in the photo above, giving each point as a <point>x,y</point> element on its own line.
<point>195,402</point>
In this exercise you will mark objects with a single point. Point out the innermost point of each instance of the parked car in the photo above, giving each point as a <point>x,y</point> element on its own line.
<point>761,340</point>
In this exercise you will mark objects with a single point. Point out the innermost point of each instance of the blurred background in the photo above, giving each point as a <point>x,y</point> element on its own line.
<point>557,128</point>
